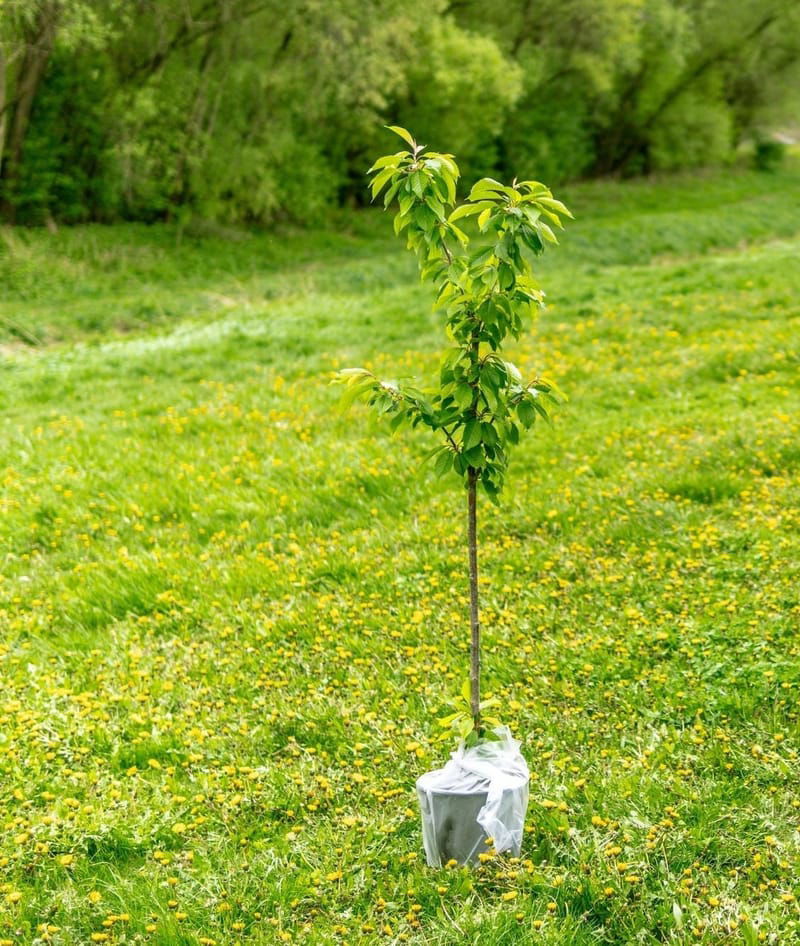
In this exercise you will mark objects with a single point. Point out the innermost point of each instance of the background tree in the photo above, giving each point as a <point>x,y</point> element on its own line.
<point>234,109</point>
<point>30,33</point>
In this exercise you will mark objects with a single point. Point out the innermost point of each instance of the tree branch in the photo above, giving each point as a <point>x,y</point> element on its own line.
<point>689,78</point>
<point>188,33</point>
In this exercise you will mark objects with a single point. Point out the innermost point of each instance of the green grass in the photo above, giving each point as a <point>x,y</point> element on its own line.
<point>229,615</point>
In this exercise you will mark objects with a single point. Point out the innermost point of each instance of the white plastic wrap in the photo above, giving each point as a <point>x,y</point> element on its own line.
<point>481,793</point>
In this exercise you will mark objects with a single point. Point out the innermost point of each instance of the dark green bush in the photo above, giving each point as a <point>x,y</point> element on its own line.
<point>768,154</point>
<point>69,171</point>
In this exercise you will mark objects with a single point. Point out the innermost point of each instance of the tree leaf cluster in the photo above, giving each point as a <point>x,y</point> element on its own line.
<point>487,292</point>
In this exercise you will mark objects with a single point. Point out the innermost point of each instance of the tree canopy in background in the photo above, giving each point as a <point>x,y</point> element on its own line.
<point>245,110</point>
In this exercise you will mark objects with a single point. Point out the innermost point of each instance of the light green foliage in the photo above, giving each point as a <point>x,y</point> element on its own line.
<point>463,88</point>
<point>571,54</point>
<point>258,111</point>
<point>695,131</point>
<point>487,294</point>
<point>227,615</point>
<point>82,23</point>
<point>239,127</point>
<point>459,721</point>
<point>641,85</point>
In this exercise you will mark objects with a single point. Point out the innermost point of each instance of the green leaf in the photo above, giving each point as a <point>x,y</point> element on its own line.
<point>447,721</point>
<point>526,413</point>
<point>506,276</point>
<point>350,373</point>
<point>501,252</point>
<point>540,409</point>
<point>391,193</point>
<point>489,435</point>
<point>466,692</point>
<point>484,218</point>
<point>553,218</point>
<point>464,395</point>
<point>547,232</point>
<point>389,160</point>
<point>488,189</point>
<point>406,202</point>
<point>424,217</point>
<point>443,463</point>
<point>492,492</point>
<point>467,210</point>
<point>532,239</point>
<point>436,206</point>
<point>380,179</point>
<point>547,386</point>
<point>552,204</point>
<point>462,238</point>
<point>354,391</point>
<point>450,164</point>
<point>450,186</point>
<point>475,457</point>
<point>404,134</point>
<point>535,187</point>
<point>472,434</point>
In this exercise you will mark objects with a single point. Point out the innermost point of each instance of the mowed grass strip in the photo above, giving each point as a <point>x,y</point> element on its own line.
<point>229,616</point>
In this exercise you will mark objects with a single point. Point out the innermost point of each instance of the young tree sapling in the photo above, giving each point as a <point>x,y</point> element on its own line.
<point>487,294</point>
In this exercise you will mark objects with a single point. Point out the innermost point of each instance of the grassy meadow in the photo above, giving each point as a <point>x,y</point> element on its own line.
<point>230,615</point>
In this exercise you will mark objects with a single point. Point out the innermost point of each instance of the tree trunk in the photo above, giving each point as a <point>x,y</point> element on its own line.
<point>638,134</point>
<point>2,106</point>
<point>474,620</point>
<point>39,46</point>
<point>194,122</point>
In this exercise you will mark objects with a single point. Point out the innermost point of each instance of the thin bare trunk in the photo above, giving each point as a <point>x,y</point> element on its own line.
<point>2,106</point>
<point>194,121</point>
<point>474,618</point>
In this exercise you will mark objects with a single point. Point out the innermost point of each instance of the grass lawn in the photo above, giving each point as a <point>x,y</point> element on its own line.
<point>230,615</point>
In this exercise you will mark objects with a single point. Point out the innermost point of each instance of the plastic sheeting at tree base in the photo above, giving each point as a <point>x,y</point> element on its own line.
<point>480,794</point>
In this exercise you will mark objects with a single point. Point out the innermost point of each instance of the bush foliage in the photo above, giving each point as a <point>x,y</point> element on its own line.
<point>247,110</point>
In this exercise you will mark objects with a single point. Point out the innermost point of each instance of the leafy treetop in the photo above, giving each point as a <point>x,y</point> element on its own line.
<point>487,294</point>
